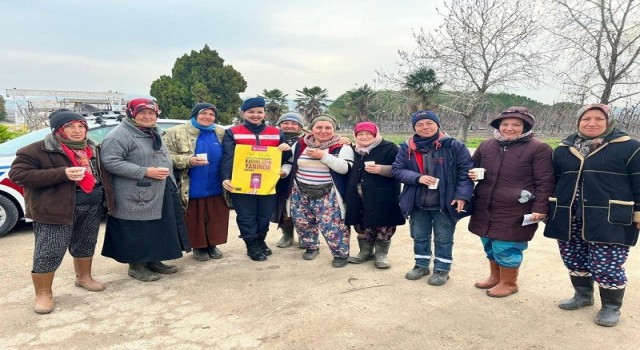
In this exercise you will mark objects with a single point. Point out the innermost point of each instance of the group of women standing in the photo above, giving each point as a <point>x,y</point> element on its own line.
<point>167,194</point>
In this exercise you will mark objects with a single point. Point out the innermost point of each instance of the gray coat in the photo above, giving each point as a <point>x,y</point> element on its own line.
<point>126,154</point>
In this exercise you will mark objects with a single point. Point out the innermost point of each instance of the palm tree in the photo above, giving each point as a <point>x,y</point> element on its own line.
<point>276,104</point>
<point>422,83</point>
<point>311,101</point>
<point>360,99</point>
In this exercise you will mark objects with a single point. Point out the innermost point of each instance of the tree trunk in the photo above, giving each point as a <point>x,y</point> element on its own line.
<point>464,127</point>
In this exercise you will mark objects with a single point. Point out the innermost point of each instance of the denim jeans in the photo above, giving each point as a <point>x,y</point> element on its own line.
<point>422,223</point>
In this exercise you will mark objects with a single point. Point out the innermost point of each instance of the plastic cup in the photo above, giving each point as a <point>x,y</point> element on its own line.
<point>435,185</point>
<point>163,168</point>
<point>479,173</point>
<point>369,163</point>
<point>202,156</point>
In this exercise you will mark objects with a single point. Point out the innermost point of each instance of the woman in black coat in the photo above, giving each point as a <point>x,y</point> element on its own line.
<point>594,212</point>
<point>372,195</point>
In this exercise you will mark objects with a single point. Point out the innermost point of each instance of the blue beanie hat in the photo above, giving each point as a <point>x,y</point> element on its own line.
<point>252,102</point>
<point>293,117</point>
<point>420,115</point>
<point>198,107</point>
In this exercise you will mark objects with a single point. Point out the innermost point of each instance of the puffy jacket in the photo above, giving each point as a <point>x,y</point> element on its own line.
<point>453,172</point>
<point>609,183</point>
<point>521,165</point>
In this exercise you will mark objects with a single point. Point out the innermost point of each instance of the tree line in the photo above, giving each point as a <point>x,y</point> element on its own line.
<point>461,69</point>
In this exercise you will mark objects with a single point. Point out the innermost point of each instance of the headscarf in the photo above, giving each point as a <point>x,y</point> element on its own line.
<point>587,144</point>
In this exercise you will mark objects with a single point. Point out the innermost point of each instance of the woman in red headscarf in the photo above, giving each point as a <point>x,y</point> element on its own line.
<point>63,196</point>
<point>145,223</point>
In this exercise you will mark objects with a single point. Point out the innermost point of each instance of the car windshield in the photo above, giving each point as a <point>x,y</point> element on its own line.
<point>96,132</point>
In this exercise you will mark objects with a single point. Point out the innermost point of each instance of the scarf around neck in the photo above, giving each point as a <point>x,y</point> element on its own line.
<point>310,141</point>
<point>149,130</point>
<point>201,127</point>
<point>363,151</point>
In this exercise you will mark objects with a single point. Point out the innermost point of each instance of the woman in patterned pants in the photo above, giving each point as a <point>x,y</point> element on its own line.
<point>594,212</point>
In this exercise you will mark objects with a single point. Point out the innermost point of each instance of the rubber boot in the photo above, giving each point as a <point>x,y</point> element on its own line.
<point>507,284</point>
<point>263,245</point>
<point>42,283</point>
<point>609,314</point>
<point>160,267</point>
<point>382,250</point>
<point>287,237</point>
<point>142,273</point>
<point>583,295</point>
<point>365,254</point>
<point>84,279</point>
<point>493,279</point>
<point>254,251</point>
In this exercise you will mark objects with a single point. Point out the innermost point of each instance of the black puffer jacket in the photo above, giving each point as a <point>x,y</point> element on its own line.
<point>609,183</point>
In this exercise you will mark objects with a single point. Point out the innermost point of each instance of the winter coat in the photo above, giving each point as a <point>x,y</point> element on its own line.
<point>521,165</point>
<point>50,197</point>
<point>608,180</point>
<point>181,142</point>
<point>452,169</point>
<point>127,152</point>
<point>379,205</point>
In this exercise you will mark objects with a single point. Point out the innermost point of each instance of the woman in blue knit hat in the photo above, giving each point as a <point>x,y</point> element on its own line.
<point>437,192</point>
<point>253,212</point>
<point>196,152</point>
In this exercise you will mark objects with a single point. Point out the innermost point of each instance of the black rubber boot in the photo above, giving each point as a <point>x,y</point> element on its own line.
<point>583,295</point>
<point>160,267</point>
<point>254,251</point>
<point>381,255</point>
<point>263,245</point>
<point>609,314</point>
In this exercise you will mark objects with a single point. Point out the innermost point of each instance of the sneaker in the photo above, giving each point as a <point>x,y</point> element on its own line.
<point>200,254</point>
<point>310,254</point>
<point>417,273</point>
<point>438,278</point>
<point>214,252</point>
<point>339,262</point>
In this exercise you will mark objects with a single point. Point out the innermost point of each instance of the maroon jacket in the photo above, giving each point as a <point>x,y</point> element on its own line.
<point>50,197</point>
<point>521,165</point>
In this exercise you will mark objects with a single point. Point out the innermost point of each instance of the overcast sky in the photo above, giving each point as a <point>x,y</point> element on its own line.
<point>120,45</point>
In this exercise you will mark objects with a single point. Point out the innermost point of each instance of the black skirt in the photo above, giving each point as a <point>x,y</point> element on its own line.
<point>135,242</point>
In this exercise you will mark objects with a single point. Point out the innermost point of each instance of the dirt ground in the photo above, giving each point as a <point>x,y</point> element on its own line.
<point>290,303</point>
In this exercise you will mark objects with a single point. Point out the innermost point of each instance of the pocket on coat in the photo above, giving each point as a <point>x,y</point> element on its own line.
<point>620,212</point>
<point>553,205</point>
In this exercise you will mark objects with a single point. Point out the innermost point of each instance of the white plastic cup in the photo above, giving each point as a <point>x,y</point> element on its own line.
<point>163,168</point>
<point>202,156</point>
<point>369,163</point>
<point>435,185</point>
<point>479,173</point>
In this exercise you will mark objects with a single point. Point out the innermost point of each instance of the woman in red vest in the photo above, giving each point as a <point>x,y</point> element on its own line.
<point>253,212</point>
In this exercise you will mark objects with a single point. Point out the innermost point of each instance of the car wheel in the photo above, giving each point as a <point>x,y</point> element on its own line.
<point>8,215</point>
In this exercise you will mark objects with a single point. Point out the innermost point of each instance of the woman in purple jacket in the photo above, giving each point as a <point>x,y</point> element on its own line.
<point>437,192</point>
<point>518,181</point>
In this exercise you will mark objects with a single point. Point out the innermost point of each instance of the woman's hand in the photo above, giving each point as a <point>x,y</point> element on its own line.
<point>314,153</point>
<point>227,185</point>
<point>344,141</point>
<point>538,217</point>
<point>197,161</point>
<point>472,175</point>
<point>638,225</point>
<point>427,180</point>
<point>283,174</point>
<point>157,173</point>
<point>459,204</point>
<point>373,169</point>
<point>75,173</point>
<point>283,147</point>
